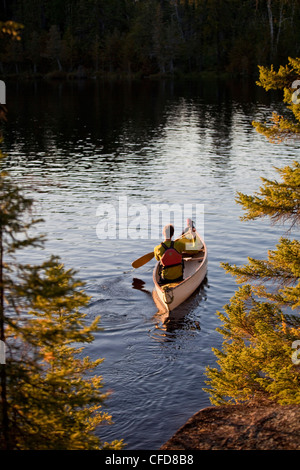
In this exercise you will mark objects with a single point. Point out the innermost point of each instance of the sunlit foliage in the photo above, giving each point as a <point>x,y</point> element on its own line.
<point>261,324</point>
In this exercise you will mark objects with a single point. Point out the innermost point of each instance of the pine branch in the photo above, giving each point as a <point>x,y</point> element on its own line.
<point>280,201</point>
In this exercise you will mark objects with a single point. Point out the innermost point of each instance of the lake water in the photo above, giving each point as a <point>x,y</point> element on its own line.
<point>78,146</point>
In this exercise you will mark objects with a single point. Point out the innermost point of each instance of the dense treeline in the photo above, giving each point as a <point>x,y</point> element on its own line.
<point>145,37</point>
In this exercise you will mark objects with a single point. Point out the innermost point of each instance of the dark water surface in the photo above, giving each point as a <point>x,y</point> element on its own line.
<point>77,146</point>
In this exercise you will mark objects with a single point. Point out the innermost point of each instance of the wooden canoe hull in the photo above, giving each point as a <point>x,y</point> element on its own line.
<point>195,270</point>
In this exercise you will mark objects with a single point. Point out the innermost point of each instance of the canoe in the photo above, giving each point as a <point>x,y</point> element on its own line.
<point>171,295</point>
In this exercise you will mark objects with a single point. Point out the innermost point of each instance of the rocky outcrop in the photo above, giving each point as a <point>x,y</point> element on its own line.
<point>240,427</point>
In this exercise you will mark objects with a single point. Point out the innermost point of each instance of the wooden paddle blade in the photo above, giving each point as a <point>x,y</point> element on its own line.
<point>142,260</point>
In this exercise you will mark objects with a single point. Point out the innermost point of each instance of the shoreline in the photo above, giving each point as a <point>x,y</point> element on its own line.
<point>250,426</point>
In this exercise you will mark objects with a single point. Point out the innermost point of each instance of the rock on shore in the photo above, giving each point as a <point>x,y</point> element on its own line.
<point>240,427</point>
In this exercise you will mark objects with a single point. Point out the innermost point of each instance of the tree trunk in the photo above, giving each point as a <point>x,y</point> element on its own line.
<point>179,20</point>
<point>279,25</point>
<point>271,25</point>
<point>59,64</point>
<point>162,66</point>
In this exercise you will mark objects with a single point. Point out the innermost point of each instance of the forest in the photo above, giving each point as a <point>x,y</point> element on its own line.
<point>144,38</point>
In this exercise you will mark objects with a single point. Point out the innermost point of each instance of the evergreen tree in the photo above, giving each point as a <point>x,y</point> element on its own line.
<point>159,39</point>
<point>278,200</point>
<point>262,323</point>
<point>139,39</point>
<point>187,35</point>
<point>51,395</point>
<point>68,50</point>
<point>14,51</point>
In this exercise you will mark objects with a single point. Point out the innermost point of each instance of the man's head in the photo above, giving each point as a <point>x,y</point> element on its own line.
<point>168,231</point>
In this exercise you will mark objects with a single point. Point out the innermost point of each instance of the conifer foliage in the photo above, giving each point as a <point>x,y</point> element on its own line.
<point>261,324</point>
<point>51,395</point>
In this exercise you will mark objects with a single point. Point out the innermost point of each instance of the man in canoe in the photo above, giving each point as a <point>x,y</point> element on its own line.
<point>169,254</point>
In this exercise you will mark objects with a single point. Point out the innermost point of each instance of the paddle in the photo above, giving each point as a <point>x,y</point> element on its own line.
<point>142,260</point>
